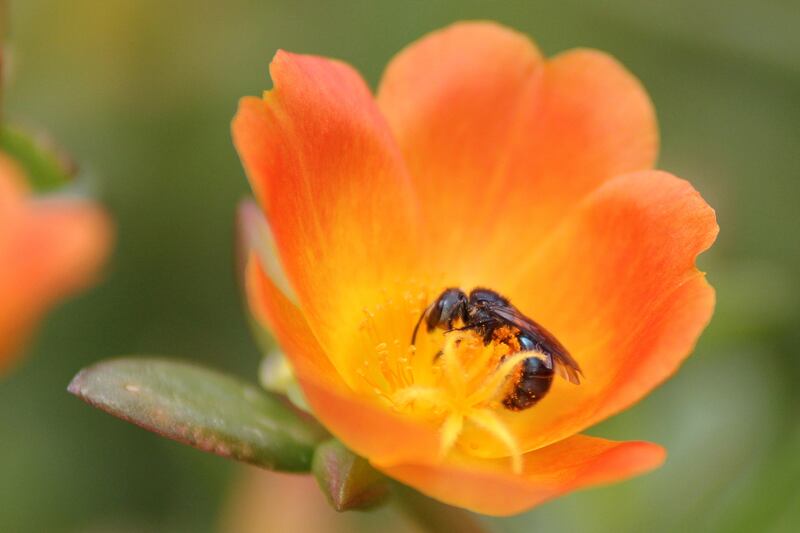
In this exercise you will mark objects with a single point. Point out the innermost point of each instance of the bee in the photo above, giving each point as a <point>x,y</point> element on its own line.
<point>494,318</point>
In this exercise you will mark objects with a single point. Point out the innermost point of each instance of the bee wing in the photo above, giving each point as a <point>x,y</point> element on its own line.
<point>567,369</point>
<point>559,358</point>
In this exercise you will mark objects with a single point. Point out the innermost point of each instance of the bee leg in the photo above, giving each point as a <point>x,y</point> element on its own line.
<point>476,326</point>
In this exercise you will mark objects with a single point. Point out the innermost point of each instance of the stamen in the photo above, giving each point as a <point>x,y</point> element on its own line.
<point>449,379</point>
<point>407,396</point>
<point>374,388</point>
<point>451,362</point>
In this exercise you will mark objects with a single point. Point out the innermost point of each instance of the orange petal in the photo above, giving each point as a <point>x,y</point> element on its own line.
<point>48,249</point>
<point>370,429</point>
<point>498,141</point>
<point>490,487</point>
<point>332,182</point>
<point>617,284</point>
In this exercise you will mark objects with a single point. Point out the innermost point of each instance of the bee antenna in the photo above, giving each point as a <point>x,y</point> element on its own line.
<point>416,327</point>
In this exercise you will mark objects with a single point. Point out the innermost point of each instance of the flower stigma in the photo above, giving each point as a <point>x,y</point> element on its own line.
<point>451,379</point>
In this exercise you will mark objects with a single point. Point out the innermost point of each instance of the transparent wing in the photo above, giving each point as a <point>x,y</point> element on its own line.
<point>559,358</point>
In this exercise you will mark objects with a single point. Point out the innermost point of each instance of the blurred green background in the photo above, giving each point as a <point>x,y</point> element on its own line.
<point>142,93</point>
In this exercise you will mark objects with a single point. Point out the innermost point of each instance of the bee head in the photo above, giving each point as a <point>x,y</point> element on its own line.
<point>449,307</point>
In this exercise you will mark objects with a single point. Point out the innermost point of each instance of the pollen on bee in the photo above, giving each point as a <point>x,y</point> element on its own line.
<point>452,380</point>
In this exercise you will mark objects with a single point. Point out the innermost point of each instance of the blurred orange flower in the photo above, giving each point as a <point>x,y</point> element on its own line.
<point>49,248</point>
<point>264,502</point>
<point>478,163</point>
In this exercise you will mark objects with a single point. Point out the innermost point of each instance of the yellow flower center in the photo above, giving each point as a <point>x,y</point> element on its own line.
<point>451,379</point>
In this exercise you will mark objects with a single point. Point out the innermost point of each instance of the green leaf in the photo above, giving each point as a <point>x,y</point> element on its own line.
<point>202,408</point>
<point>45,168</point>
<point>348,481</point>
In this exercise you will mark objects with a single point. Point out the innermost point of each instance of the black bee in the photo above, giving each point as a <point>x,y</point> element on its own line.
<point>486,312</point>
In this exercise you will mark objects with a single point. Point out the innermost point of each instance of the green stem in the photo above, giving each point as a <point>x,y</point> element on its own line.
<point>432,516</point>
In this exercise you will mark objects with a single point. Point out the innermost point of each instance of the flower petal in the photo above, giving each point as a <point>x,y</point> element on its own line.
<point>48,249</point>
<point>334,188</point>
<point>499,141</point>
<point>370,429</point>
<point>617,284</point>
<point>489,486</point>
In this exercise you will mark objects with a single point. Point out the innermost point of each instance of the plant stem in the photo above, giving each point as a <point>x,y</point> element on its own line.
<point>432,516</point>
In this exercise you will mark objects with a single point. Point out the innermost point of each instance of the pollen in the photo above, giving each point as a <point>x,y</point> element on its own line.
<point>452,380</point>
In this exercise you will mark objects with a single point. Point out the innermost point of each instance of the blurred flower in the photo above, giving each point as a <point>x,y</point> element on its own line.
<point>479,163</point>
<point>263,501</point>
<point>49,248</point>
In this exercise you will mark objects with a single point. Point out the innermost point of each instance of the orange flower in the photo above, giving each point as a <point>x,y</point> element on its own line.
<point>479,163</point>
<point>49,248</point>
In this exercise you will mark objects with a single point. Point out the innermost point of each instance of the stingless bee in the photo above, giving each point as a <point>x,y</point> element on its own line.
<point>494,318</point>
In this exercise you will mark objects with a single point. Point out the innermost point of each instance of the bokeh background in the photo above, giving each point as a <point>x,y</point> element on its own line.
<point>141,93</point>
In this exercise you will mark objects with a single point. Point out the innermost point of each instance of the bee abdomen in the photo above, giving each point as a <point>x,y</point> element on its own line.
<point>531,383</point>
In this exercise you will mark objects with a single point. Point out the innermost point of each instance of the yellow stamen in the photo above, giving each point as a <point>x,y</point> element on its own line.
<point>451,362</point>
<point>408,395</point>
<point>451,379</point>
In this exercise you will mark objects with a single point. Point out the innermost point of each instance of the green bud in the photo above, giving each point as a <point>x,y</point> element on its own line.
<point>348,481</point>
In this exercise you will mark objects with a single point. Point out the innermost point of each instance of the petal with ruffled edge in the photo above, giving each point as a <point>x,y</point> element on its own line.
<point>616,282</point>
<point>331,180</point>
<point>491,487</point>
<point>501,143</point>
